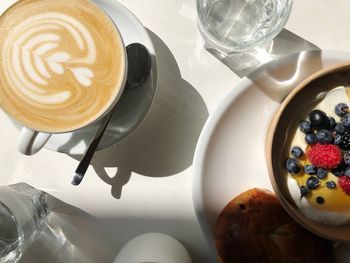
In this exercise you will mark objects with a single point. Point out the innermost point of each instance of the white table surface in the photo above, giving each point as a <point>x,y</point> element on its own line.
<point>155,161</point>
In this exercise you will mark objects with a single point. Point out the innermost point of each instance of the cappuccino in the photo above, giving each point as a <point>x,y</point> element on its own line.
<point>62,63</point>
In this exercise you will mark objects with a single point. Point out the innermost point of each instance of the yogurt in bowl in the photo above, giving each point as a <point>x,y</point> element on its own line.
<point>321,187</point>
<point>307,181</point>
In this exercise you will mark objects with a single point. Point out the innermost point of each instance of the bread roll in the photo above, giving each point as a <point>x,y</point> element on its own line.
<point>254,228</point>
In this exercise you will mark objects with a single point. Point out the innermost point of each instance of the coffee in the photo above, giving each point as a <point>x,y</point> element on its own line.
<point>62,63</point>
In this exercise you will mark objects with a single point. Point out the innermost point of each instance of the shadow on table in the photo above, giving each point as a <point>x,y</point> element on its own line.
<point>70,235</point>
<point>165,141</point>
<point>73,236</point>
<point>285,43</point>
<point>182,229</point>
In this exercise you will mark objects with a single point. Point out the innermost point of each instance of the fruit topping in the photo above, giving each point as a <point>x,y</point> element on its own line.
<point>347,158</point>
<point>304,190</point>
<point>313,182</point>
<point>324,136</point>
<point>293,165</point>
<point>332,123</point>
<point>310,169</point>
<point>347,172</point>
<point>344,183</point>
<point>339,170</point>
<point>341,109</point>
<point>310,138</point>
<point>345,144</point>
<point>331,185</point>
<point>321,173</point>
<point>297,152</point>
<point>305,127</point>
<point>319,199</point>
<point>339,128</point>
<point>345,120</point>
<point>338,139</point>
<point>327,156</point>
<point>328,150</point>
<point>318,119</point>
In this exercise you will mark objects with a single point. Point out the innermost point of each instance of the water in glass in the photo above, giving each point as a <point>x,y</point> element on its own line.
<point>241,24</point>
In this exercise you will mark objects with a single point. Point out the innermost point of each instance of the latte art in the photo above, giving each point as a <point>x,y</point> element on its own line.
<point>62,63</point>
<point>31,55</point>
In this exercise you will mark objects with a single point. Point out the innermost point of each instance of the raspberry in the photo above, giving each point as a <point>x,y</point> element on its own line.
<point>327,156</point>
<point>344,183</point>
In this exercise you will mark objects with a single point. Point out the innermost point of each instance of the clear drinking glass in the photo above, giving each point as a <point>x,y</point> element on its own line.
<point>22,210</point>
<point>237,25</point>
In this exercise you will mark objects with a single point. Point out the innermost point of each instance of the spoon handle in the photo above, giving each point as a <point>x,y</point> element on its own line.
<point>139,66</point>
<point>85,161</point>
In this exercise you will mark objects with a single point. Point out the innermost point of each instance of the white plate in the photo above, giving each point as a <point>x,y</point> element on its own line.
<point>133,105</point>
<point>229,158</point>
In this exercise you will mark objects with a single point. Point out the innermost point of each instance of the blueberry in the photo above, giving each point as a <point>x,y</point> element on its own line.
<point>339,170</point>
<point>347,172</point>
<point>318,119</point>
<point>339,128</point>
<point>296,152</point>
<point>310,169</point>
<point>319,199</point>
<point>305,127</point>
<point>324,136</point>
<point>331,185</point>
<point>321,173</point>
<point>341,109</point>
<point>304,190</point>
<point>292,166</point>
<point>346,158</point>
<point>310,138</point>
<point>338,139</point>
<point>332,123</point>
<point>312,182</point>
<point>345,120</point>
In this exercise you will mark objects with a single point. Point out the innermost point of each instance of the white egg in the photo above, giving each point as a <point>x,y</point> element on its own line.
<point>153,248</point>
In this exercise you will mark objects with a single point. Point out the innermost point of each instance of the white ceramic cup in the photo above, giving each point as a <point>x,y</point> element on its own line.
<point>32,141</point>
<point>153,248</point>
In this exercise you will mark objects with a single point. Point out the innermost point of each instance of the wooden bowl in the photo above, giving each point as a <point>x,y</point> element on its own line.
<point>286,120</point>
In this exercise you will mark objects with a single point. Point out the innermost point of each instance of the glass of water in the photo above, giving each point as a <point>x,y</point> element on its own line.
<point>22,210</point>
<point>238,25</point>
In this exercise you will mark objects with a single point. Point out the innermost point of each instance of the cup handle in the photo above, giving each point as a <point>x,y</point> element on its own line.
<point>30,142</point>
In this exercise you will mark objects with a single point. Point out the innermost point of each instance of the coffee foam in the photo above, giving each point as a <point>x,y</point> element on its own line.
<point>62,63</point>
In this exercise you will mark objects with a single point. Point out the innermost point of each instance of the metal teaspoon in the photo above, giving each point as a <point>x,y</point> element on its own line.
<point>139,65</point>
